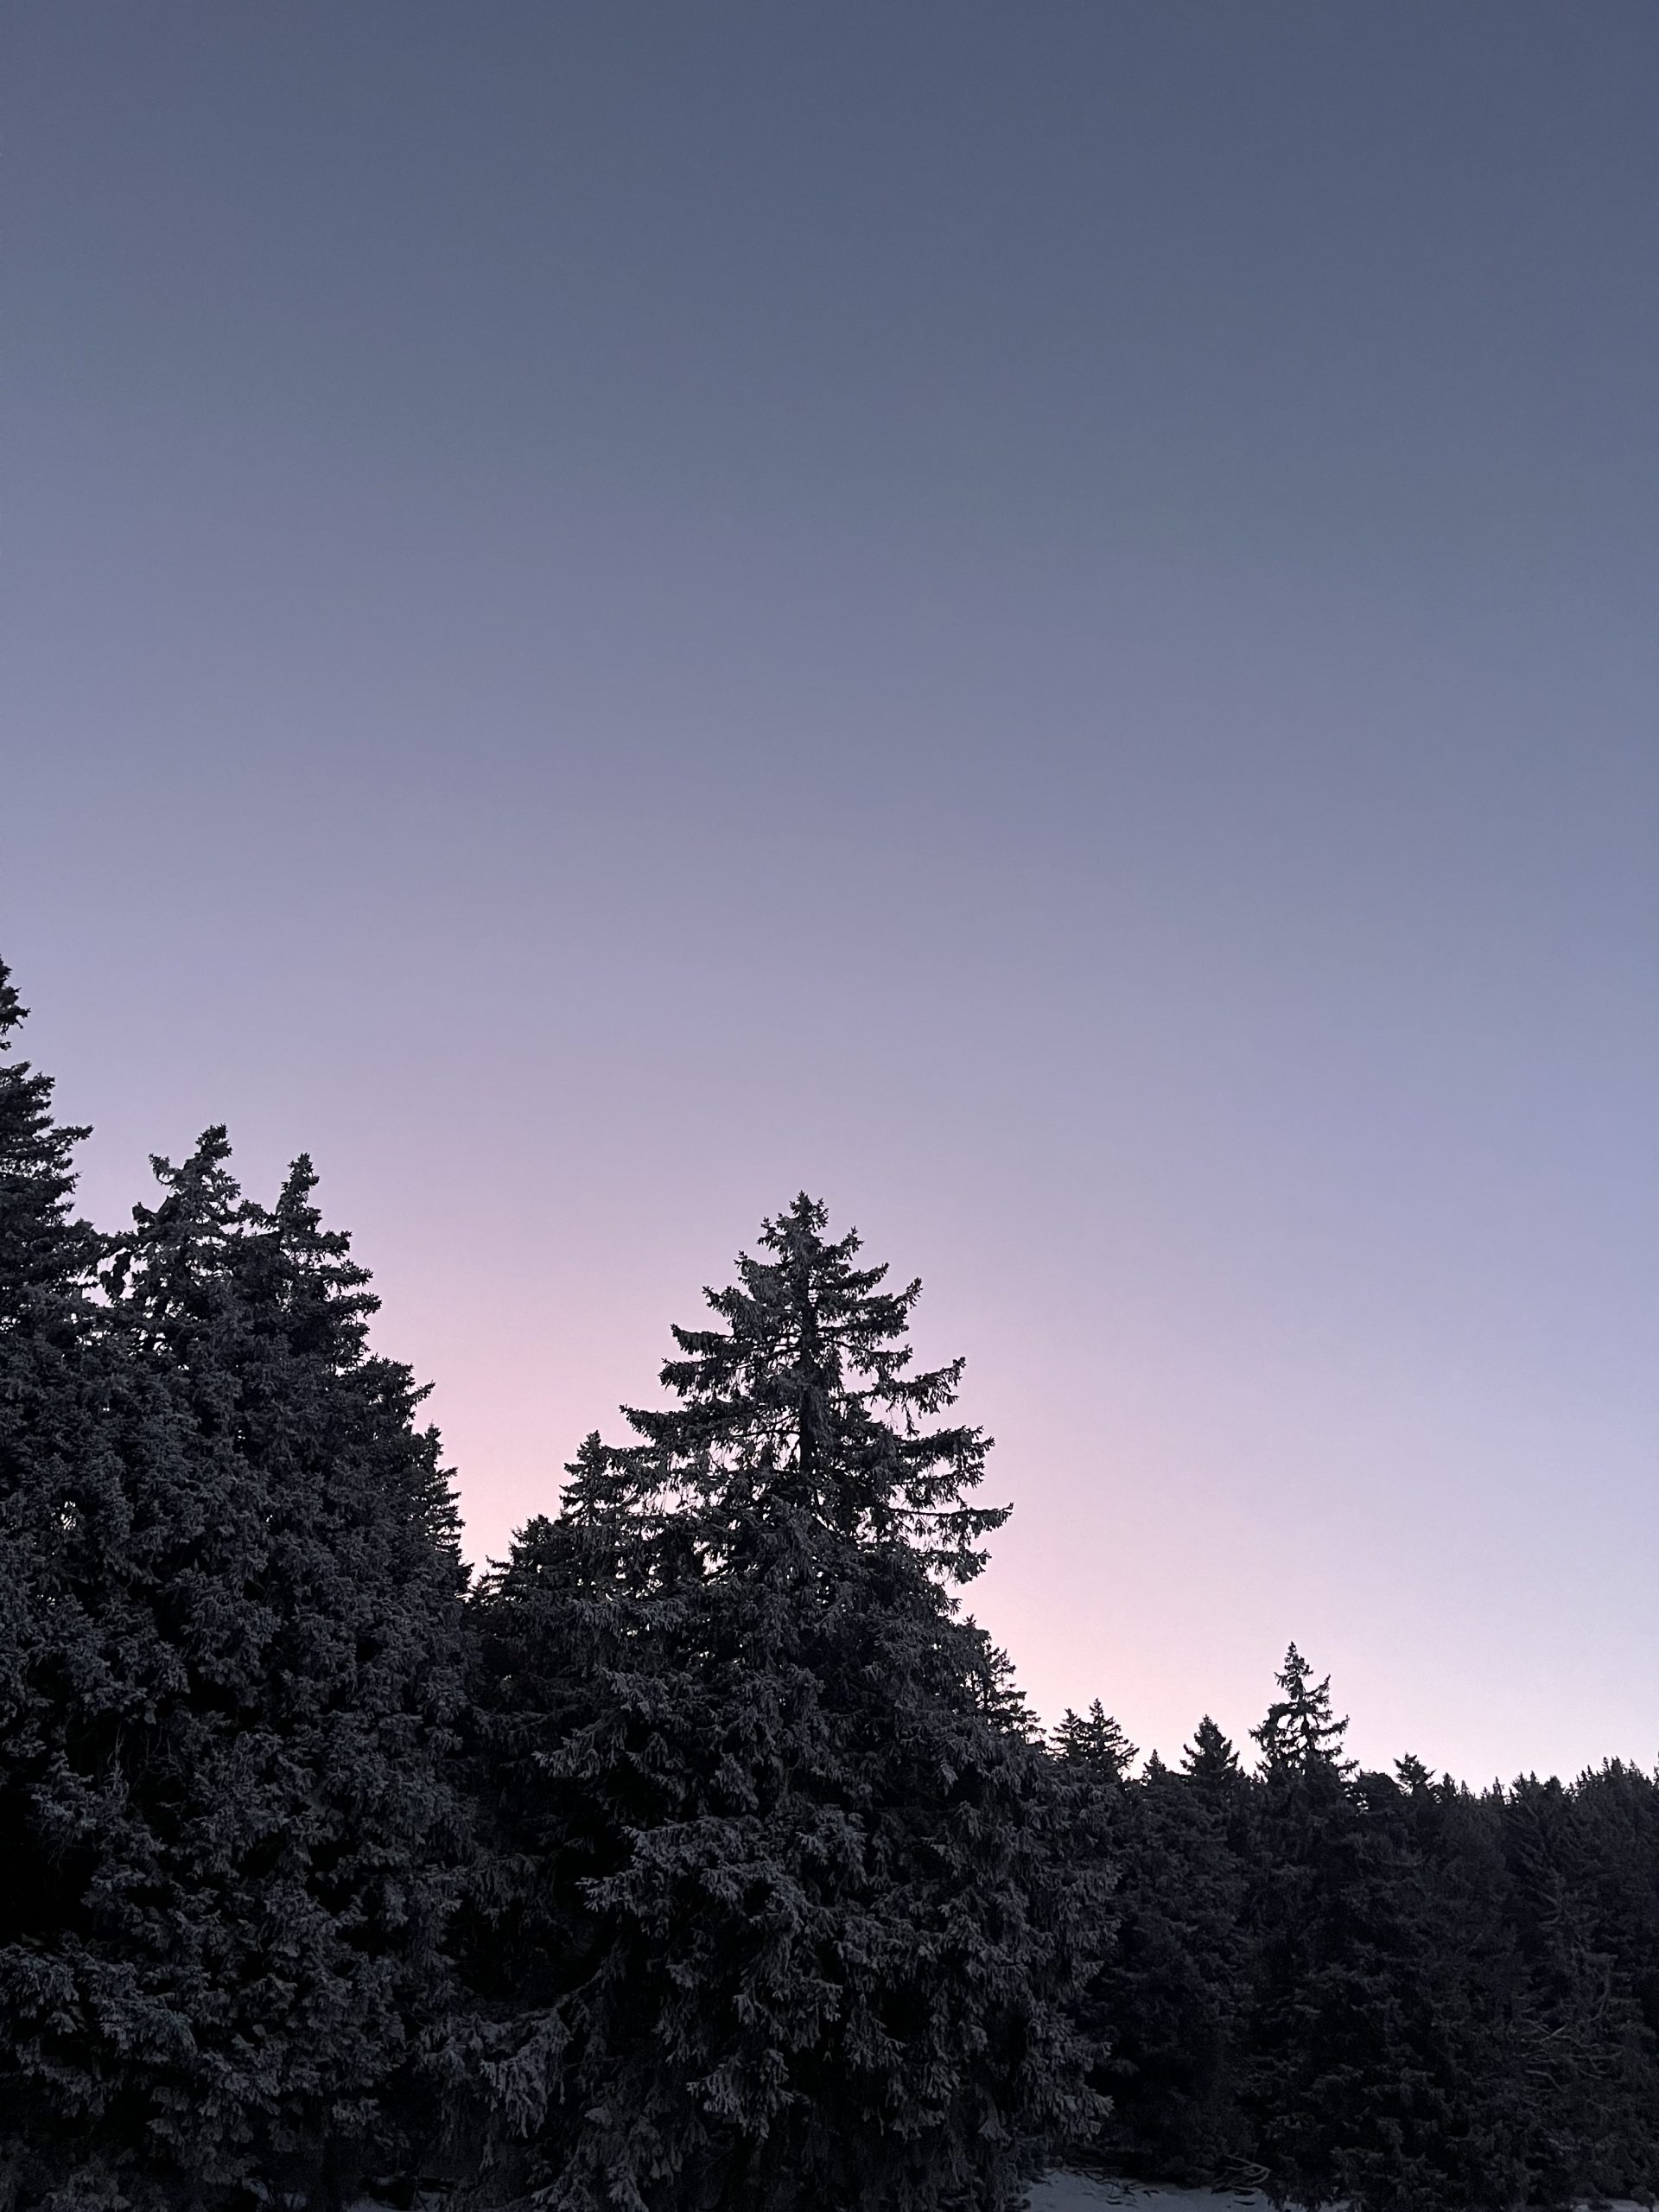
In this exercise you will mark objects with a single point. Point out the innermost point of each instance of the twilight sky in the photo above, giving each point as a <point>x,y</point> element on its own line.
<point>1040,620</point>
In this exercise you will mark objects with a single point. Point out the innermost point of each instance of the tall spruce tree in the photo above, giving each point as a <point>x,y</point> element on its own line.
<point>1094,1742</point>
<point>1304,1832</point>
<point>1164,2007</point>
<point>1618,1807</point>
<point>1462,2142</point>
<point>1588,2058</point>
<point>311,1820</point>
<point>1178,1984</point>
<point>1210,1759</point>
<point>226,1824</point>
<point>64,1416</point>
<point>779,1918</point>
<point>1371,2075</point>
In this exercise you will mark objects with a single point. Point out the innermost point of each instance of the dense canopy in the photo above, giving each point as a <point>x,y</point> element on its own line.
<point>703,1856</point>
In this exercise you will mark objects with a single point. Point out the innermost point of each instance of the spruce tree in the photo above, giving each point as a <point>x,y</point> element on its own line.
<point>1091,1757</point>
<point>1304,1834</point>
<point>320,1622</point>
<point>77,1422</point>
<point>1181,1984</point>
<point>779,1919</point>
<point>1588,2057</point>
<point>1210,1759</point>
<point>48,1394</point>
<point>1617,1808</point>
<point>230,1678</point>
<point>1165,2005</point>
<point>1094,1742</point>
<point>1372,2071</point>
<point>1469,2130</point>
<point>46,1257</point>
<point>1301,1738</point>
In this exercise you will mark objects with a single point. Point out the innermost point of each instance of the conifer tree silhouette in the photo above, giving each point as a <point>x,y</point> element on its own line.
<point>1094,1740</point>
<point>232,1667</point>
<point>1301,1738</point>
<point>780,1900</point>
<point>1164,2007</point>
<point>789,1927</point>
<point>65,1419</point>
<point>305,1749</point>
<point>1211,1756</point>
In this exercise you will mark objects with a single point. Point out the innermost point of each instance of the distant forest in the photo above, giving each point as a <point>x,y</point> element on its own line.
<point>704,1855</point>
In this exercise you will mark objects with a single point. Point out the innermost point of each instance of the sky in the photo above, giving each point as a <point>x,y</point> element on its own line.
<point>1039,620</point>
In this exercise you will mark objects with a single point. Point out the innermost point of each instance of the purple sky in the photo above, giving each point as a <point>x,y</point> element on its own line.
<point>1042,620</point>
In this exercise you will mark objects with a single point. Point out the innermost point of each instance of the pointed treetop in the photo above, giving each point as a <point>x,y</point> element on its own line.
<point>1301,1735</point>
<point>12,1009</point>
<point>801,1405</point>
<point>207,1258</point>
<point>40,1248</point>
<point>596,1487</point>
<point>306,1272</point>
<point>1095,1740</point>
<point>1210,1756</point>
<point>174,1263</point>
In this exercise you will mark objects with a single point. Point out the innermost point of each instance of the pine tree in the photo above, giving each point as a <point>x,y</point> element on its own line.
<point>73,1421</point>
<point>1185,1963</point>
<point>1093,1741</point>
<point>226,1822</point>
<point>779,1919</point>
<point>1304,1835</point>
<point>1372,2067</point>
<point>1618,1808</point>
<point>1588,2057</point>
<point>46,1258</point>
<point>1468,2131</point>
<point>1302,1737</point>
<point>1210,1759</point>
<point>561,1633</point>
<point>312,1743</point>
<point>1164,2007</point>
<point>1091,1757</point>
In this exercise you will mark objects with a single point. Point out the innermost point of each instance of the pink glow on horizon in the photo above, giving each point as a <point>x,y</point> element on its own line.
<point>1047,636</point>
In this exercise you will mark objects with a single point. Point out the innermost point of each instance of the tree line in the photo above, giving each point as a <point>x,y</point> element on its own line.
<point>703,1855</point>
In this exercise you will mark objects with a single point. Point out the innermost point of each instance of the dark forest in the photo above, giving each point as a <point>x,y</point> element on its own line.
<point>703,1852</point>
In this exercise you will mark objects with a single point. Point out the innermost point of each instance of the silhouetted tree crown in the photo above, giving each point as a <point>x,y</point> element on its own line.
<point>43,1251</point>
<point>1300,1736</point>
<point>1094,1740</point>
<point>781,1916</point>
<point>710,1858</point>
<point>1210,1758</point>
<point>802,1406</point>
<point>232,1668</point>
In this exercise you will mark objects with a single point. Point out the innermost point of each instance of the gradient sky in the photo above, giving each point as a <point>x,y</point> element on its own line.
<point>1041,620</point>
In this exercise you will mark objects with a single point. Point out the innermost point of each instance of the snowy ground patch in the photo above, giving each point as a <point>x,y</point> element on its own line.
<point>1085,2193</point>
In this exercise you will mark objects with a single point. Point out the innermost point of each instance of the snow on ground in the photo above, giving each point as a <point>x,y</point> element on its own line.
<point>1081,2193</point>
<point>1063,2193</point>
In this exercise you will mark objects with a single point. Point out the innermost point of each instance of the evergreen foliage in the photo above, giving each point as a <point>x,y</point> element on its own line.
<point>1588,2057</point>
<point>65,1419</point>
<point>709,1860</point>
<point>231,1677</point>
<point>791,1924</point>
<point>1404,1997</point>
<point>1210,1760</point>
<point>1093,1743</point>
<point>1164,2005</point>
